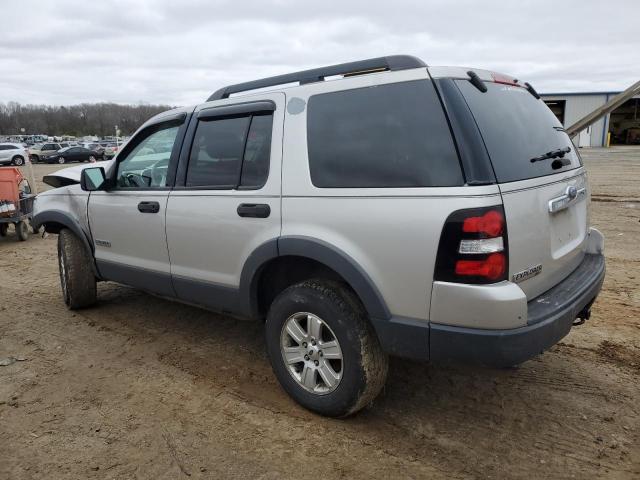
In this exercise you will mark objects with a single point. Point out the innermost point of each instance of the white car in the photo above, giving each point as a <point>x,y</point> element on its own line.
<point>13,154</point>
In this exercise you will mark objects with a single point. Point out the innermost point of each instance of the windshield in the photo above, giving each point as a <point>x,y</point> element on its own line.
<point>517,127</point>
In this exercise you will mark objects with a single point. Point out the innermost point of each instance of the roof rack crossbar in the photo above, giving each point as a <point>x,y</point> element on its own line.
<point>391,63</point>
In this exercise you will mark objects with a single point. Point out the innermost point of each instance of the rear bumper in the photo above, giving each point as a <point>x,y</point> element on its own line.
<point>549,318</point>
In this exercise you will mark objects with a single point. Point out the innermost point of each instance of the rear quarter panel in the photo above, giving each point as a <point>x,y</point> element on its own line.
<point>392,233</point>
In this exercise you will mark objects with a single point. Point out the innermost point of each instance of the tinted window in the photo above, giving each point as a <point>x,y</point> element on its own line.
<point>517,127</point>
<point>5,147</point>
<point>392,135</point>
<point>231,152</point>
<point>146,165</point>
<point>257,154</point>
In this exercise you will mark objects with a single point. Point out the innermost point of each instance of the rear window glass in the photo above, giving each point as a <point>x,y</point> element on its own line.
<point>391,135</point>
<point>517,127</point>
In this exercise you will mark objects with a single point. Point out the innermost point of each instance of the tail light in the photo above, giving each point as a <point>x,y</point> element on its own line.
<point>473,247</point>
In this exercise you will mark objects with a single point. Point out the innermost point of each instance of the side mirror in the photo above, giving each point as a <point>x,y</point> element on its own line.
<point>92,179</point>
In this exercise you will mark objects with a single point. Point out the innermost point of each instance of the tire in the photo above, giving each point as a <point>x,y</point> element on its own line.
<point>3,229</point>
<point>362,368</point>
<point>92,159</point>
<point>77,280</point>
<point>18,161</point>
<point>35,159</point>
<point>62,160</point>
<point>22,231</point>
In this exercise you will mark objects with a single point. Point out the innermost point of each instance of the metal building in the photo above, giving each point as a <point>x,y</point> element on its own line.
<point>623,123</point>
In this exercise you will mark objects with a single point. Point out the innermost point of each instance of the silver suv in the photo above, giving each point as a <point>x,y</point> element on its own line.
<point>434,213</point>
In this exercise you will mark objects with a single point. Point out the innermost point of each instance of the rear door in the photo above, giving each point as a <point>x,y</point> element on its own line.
<point>226,202</point>
<point>545,201</point>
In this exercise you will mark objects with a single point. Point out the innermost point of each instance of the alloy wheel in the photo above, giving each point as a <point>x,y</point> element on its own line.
<point>311,353</point>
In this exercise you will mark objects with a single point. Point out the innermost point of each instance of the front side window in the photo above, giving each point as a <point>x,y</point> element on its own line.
<point>231,153</point>
<point>393,135</point>
<point>146,165</point>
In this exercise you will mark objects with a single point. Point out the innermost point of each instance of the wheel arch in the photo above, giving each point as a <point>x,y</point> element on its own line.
<point>318,258</point>
<point>55,220</point>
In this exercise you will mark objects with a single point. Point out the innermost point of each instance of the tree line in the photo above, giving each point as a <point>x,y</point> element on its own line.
<point>78,120</point>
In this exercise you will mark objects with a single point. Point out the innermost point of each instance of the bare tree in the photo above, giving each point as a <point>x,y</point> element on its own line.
<point>77,120</point>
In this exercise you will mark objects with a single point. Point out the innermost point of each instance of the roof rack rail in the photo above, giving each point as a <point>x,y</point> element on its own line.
<point>391,63</point>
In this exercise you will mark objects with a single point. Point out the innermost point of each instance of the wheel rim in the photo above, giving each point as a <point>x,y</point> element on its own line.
<point>311,353</point>
<point>92,159</point>
<point>18,161</point>
<point>61,160</point>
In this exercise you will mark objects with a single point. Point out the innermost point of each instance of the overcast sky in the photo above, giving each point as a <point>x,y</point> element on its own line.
<point>179,51</point>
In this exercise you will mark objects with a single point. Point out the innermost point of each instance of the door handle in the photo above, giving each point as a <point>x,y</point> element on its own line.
<point>149,207</point>
<point>254,210</point>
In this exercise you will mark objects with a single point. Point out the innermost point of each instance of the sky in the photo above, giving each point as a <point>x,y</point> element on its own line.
<point>177,52</point>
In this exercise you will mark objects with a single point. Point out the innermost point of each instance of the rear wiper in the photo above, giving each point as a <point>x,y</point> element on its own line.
<point>559,153</point>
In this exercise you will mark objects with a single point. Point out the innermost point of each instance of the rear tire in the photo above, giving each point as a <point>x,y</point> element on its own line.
<point>361,371</point>
<point>76,274</point>
<point>22,231</point>
<point>18,161</point>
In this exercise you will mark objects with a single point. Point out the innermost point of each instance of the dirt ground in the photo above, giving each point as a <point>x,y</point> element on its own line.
<point>139,387</point>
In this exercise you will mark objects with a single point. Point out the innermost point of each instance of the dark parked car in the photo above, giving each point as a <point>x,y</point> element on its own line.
<point>74,154</point>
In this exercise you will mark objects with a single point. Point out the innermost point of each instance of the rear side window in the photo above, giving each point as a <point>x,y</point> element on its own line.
<point>231,152</point>
<point>393,135</point>
<point>517,127</point>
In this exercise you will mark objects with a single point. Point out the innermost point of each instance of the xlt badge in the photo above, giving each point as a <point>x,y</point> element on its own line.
<point>103,243</point>
<point>528,273</point>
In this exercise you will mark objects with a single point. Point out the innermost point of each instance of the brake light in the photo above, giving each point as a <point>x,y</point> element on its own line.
<point>504,79</point>
<point>490,224</point>
<point>492,267</point>
<point>473,247</point>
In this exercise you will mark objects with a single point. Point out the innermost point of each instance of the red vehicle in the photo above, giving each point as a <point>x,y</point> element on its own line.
<point>16,202</point>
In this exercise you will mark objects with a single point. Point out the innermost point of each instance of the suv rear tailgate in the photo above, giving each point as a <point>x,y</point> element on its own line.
<point>551,243</point>
<point>534,162</point>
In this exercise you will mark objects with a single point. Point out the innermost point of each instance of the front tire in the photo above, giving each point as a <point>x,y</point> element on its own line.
<point>3,229</point>
<point>18,161</point>
<point>62,160</point>
<point>323,350</point>
<point>76,274</point>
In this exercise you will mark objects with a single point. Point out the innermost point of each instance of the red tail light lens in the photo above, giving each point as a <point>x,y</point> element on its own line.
<point>490,224</point>
<point>473,247</point>
<point>493,267</point>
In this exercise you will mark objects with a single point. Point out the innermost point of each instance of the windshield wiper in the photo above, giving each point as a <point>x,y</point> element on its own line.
<point>559,153</point>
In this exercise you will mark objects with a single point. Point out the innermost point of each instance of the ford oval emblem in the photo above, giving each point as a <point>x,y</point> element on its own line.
<point>572,192</point>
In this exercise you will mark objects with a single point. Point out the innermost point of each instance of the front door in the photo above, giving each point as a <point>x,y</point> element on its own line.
<point>128,221</point>
<point>226,202</point>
